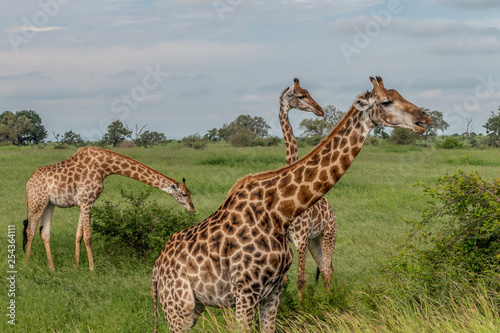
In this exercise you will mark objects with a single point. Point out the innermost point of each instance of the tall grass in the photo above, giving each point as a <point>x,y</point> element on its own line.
<point>370,202</point>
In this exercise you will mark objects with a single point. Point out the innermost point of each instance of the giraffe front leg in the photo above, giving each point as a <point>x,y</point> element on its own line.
<point>245,309</point>
<point>268,310</point>
<point>87,237</point>
<point>328,246</point>
<point>301,246</point>
<point>45,232</point>
<point>78,242</point>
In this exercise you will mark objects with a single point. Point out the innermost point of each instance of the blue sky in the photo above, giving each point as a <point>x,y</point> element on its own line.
<point>184,67</point>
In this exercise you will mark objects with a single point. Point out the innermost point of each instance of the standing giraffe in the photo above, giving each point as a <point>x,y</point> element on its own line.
<point>316,228</point>
<point>239,255</point>
<point>78,181</point>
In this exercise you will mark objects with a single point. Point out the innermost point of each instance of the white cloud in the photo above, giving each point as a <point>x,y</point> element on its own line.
<point>430,94</point>
<point>465,46</point>
<point>470,4</point>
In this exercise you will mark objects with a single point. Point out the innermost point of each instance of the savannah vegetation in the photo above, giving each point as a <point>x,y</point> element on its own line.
<point>406,216</point>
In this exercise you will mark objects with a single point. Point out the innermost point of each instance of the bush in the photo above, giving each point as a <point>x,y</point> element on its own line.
<point>194,141</point>
<point>140,226</point>
<point>457,240</point>
<point>450,142</point>
<point>265,142</point>
<point>403,136</point>
<point>242,137</point>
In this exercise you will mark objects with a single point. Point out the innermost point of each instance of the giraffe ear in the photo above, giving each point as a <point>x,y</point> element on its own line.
<point>297,87</point>
<point>361,104</point>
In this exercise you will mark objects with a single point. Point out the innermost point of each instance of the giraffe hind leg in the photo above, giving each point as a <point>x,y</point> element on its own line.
<point>45,224</point>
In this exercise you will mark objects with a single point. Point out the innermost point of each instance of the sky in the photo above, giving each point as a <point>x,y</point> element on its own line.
<point>186,66</point>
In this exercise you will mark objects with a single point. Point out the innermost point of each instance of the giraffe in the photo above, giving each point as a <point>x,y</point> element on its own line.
<point>316,228</point>
<point>239,255</point>
<point>78,181</point>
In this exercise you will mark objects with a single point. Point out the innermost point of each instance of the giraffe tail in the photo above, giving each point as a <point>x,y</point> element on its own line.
<point>317,273</point>
<point>154,292</point>
<point>25,235</point>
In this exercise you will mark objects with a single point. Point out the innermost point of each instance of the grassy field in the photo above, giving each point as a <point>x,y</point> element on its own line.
<point>370,202</point>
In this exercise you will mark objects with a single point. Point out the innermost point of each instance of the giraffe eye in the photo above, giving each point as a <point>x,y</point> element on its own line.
<point>301,97</point>
<point>386,102</point>
<point>184,194</point>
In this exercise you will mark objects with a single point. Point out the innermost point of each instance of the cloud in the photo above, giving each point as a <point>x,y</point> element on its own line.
<point>24,76</point>
<point>465,46</point>
<point>418,28</point>
<point>470,4</point>
<point>195,91</point>
<point>124,74</point>
<point>430,94</point>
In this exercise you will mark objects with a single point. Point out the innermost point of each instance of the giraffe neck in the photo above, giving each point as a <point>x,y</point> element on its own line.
<point>290,140</point>
<point>310,178</point>
<point>111,163</point>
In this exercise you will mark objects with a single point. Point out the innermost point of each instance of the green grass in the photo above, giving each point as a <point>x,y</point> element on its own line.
<point>370,202</point>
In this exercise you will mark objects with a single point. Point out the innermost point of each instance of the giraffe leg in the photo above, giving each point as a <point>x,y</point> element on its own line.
<point>246,302</point>
<point>78,242</point>
<point>301,246</point>
<point>45,224</point>
<point>30,229</point>
<point>268,310</point>
<point>314,245</point>
<point>328,246</point>
<point>84,223</point>
<point>178,304</point>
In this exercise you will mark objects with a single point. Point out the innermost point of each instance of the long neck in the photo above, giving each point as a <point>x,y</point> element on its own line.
<point>303,183</point>
<point>116,164</point>
<point>290,140</point>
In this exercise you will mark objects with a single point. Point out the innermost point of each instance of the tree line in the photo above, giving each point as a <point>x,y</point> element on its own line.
<point>25,127</point>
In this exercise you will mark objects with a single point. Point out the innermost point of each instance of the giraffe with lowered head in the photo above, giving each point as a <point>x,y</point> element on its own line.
<point>316,228</point>
<point>78,181</point>
<point>239,255</point>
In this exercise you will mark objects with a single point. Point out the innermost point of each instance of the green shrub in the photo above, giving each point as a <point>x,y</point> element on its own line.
<point>194,141</point>
<point>457,240</point>
<point>450,142</point>
<point>403,136</point>
<point>139,226</point>
<point>265,142</point>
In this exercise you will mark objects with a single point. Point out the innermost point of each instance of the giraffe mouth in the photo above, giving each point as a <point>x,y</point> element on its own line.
<point>419,128</point>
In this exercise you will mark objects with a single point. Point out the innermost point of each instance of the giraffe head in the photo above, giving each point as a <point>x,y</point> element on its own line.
<point>388,108</point>
<point>181,194</point>
<point>298,98</point>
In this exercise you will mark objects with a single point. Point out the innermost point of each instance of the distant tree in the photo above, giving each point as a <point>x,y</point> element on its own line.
<point>403,136</point>
<point>320,127</point>
<point>492,127</point>
<point>379,131</point>
<point>194,141</point>
<point>256,125</point>
<point>438,123</point>
<point>35,132</point>
<point>117,132</point>
<point>11,127</point>
<point>212,135</point>
<point>468,129</point>
<point>73,139</point>
<point>242,138</point>
<point>150,139</point>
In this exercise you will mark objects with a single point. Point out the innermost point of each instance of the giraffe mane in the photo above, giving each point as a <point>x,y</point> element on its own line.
<point>266,174</point>
<point>131,160</point>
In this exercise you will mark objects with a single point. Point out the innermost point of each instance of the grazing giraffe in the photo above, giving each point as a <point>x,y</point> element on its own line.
<point>78,181</point>
<point>239,255</point>
<point>316,228</point>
